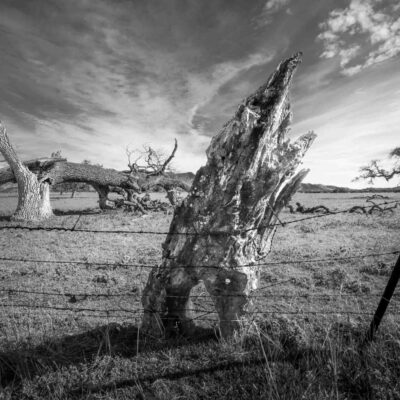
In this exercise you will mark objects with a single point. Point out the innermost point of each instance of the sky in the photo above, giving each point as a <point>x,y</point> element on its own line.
<point>91,78</point>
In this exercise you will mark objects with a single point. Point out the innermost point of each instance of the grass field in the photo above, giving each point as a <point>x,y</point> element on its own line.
<point>301,342</point>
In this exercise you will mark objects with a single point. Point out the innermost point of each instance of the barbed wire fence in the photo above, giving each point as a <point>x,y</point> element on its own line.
<point>73,298</point>
<point>120,312</point>
<point>202,233</point>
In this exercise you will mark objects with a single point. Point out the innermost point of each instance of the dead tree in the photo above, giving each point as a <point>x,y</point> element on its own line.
<point>375,170</point>
<point>223,228</point>
<point>150,164</point>
<point>153,163</point>
<point>311,210</point>
<point>35,177</point>
<point>33,190</point>
<point>149,160</point>
<point>381,207</point>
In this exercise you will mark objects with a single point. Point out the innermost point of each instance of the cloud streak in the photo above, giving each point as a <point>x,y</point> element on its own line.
<point>205,87</point>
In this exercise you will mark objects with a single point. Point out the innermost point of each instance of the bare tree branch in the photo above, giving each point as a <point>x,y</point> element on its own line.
<point>154,162</point>
<point>132,165</point>
<point>161,170</point>
<point>375,170</point>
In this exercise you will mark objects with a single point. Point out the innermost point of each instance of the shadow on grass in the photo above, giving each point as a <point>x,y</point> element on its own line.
<point>87,211</point>
<point>244,370</point>
<point>294,368</point>
<point>170,376</point>
<point>112,339</point>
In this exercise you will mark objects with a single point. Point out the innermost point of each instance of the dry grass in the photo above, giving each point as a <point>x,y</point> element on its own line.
<point>66,354</point>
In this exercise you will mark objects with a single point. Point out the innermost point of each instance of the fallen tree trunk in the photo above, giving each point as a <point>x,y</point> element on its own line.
<point>103,192</point>
<point>225,225</point>
<point>54,171</point>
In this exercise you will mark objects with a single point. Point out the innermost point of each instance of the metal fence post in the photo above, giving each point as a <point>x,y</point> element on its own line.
<point>387,295</point>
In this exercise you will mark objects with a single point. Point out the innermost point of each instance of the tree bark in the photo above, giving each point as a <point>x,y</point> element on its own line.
<point>103,192</point>
<point>225,223</point>
<point>33,194</point>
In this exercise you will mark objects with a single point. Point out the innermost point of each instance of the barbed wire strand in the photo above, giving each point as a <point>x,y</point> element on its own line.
<point>134,265</point>
<point>209,233</point>
<point>303,314</point>
<point>81,296</point>
<point>140,311</point>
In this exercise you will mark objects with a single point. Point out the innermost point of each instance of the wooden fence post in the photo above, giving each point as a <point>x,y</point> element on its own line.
<point>387,295</point>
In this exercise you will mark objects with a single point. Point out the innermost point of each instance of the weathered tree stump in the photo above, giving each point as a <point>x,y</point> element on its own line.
<point>224,226</point>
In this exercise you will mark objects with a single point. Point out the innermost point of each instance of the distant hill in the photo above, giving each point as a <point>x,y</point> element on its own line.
<point>318,188</point>
<point>307,187</point>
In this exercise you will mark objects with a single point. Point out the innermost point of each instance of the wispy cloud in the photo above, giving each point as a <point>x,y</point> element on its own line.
<point>270,8</point>
<point>204,87</point>
<point>365,33</point>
